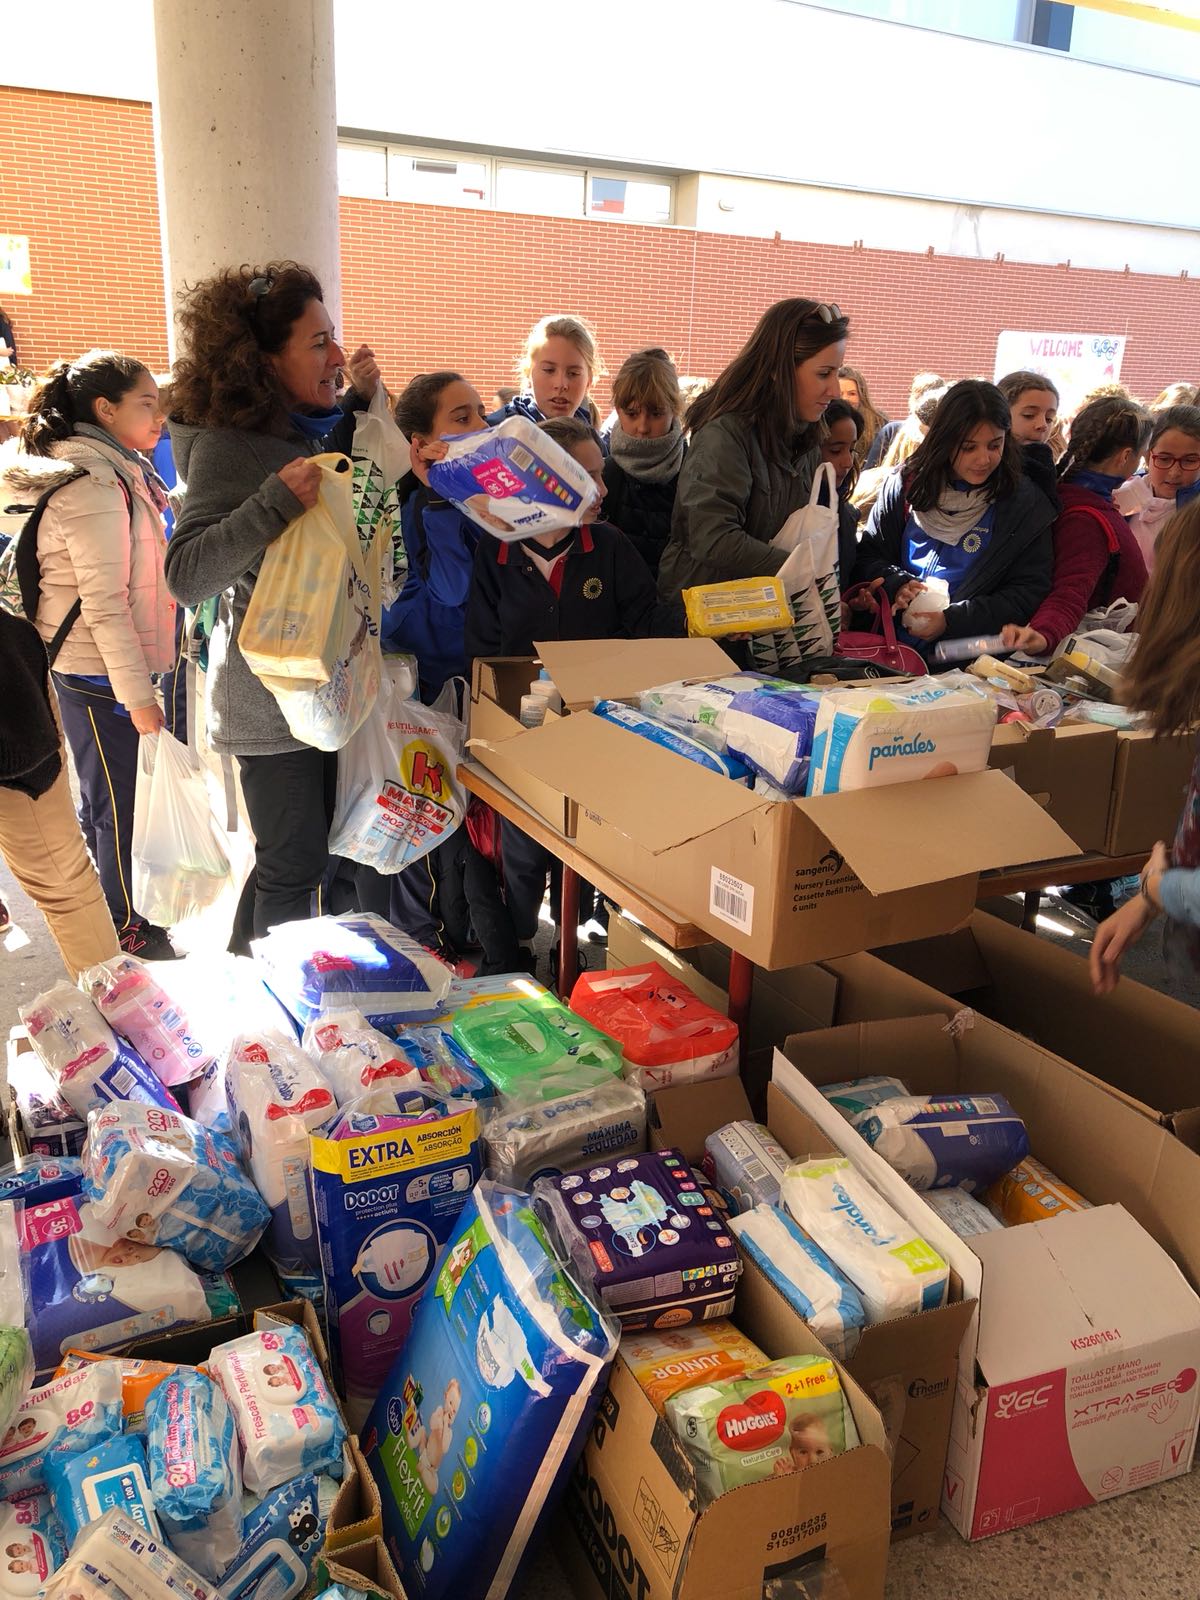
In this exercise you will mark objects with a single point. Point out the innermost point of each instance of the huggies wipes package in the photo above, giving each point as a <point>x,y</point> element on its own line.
<point>32,1545</point>
<point>487,1405</point>
<point>885,734</point>
<point>88,1063</point>
<point>805,1276</point>
<point>513,480</point>
<point>946,1142</point>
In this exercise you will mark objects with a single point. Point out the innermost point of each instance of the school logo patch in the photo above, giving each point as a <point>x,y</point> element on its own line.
<point>972,543</point>
<point>593,589</point>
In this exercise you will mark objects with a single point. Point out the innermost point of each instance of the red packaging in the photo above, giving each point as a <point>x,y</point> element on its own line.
<point>667,1034</point>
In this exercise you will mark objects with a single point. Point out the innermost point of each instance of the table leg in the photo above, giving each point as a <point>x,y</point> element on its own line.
<point>568,933</point>
<point>741,984</point>
<point>1033,904</point>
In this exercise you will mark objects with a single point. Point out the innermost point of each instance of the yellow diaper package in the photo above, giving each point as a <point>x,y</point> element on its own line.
<point>666,1361</point>
<point>1031,1193</point>
<point>743,605</point>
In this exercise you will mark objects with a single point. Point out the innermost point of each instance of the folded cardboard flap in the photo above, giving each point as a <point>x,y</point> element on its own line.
<point>503,679</point>
<point>357,1511</point>
<point>364,1565</point>
<point>917,1046</point>
<point>587,670</point>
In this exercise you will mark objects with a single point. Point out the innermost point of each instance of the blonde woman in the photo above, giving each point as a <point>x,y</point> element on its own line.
<point>558,366</point>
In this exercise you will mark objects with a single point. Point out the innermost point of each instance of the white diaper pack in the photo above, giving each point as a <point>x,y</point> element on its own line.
<point>354,1057</point>
<point>946,1142</point>
<point>805,1276</point>
<point>961,1212</point>
<point>544,1138</point>
<point>746,1160</point>
<point>134,1003</point>
<point>698,707</point>
<point>865,738</point>
<point>513,480</point>
<point>90,1066</point>
<point>113,1557</point>
<point>893,1269</point>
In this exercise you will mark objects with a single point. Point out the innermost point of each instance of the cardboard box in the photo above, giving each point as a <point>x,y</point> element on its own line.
<point>632,1525</point>
<point>365,1566</point>
<point>1150,779</point>
<point>782,882</point>
<point>909,1363</point>
<point>1067,770</point>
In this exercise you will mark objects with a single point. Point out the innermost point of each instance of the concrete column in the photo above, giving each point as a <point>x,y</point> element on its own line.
<point>246,136</point>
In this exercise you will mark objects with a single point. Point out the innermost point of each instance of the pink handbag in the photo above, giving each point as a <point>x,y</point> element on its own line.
<point>879,645</point>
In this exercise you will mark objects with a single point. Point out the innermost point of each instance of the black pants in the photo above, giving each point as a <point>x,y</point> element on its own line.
<point>174,685</point>
<point>104,746</point>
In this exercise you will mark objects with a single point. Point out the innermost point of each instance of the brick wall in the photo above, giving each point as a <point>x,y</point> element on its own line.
<point>438,286</point>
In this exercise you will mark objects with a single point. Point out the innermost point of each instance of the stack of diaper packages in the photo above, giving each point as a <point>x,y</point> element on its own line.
<point>88,1065</point>
<point>667,1035</point>
<point>766,723</point>
<point>50,1126</point>
<point>591,1117</point>
<point>886,734</point>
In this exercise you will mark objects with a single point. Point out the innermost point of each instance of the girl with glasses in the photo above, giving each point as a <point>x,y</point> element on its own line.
<point>1172,473</point>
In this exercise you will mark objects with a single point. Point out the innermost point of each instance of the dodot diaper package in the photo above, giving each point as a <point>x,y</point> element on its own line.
<point>642,1232</point>
<point>962,1212</point>
<point>894,1270</point>
<point>748,1162</point>
<point>778,1420</point>
<point>513,480</point>
<point>282,1535</point>
<point>666,1034</point>
<point>487,1406</point>
<point>287,1420</point>
<point>113,1557</point>
<point>861,1094</point>
<point>1031,1193</point>
<point>672,739</point>
<point>195,1470</point>
<point>535,1138</point>
<point>946,1142</point>
<point>74,1413</point>
<point>667,1361</point>
<point>32,1545</point>
<point>816,1289</point>
<point>90,1066</point>
<point>512,1041</point>
<point>159,1177</point>
<point>137,1007</point>
<point>885,734</point>
<point>36,1179</point>
<point>112,1477</point>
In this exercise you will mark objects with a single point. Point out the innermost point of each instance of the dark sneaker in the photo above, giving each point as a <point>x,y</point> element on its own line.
<point>148,943</point>
<point>5,919</point>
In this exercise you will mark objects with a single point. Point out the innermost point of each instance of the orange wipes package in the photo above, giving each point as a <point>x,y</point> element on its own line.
<point>138,1380</point>
<point>1031,1193</point>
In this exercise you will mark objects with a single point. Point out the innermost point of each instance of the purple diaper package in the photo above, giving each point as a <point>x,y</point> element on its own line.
<point>644,1233</point>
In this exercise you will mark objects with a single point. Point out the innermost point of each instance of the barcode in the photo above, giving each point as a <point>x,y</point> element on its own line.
<point>122,1081</point>
<point>521,458</point>
<point>731,899</point>
<point>733,905</point>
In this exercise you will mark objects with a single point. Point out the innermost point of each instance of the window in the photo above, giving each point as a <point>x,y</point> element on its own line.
<point>634,199</point>
<point>362,170</point>
<point>554,191</point>
<point>438,178</point>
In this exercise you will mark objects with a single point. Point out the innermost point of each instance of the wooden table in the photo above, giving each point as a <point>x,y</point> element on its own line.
<point>1031,879</point>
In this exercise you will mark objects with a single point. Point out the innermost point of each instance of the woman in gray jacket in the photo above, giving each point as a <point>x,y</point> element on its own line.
<point>254,397</point>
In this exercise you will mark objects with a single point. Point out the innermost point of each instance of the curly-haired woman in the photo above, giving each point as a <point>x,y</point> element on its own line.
<point>254,396</point>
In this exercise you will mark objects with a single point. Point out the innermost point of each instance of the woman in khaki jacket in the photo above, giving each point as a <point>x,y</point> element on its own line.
<point>100,548</point>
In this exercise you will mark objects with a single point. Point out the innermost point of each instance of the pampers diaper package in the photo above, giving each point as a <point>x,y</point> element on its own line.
<point>1032,1193</point>
<point>90,1066</point>
<point>962,1212</point>
<point>777,1420</point>
<point>816,1289</point>
<point>667,1035</point>
<point>532,1138</point>
<point>32,1545</point>
<point>114,1557</point>
<point>672,739</point>
<point>748,1162</point>
<point>946,1142</point>
<point>137,1007</point>
<point>513,480</point>
<point>75,1412</point>
<point>858,1095</point>
<point>885,734</point>
<point>195,1470</point>
<point>667,1361</point>
<point>282,1535</point>
<point>642,1232</point>
<point>487,1406</point>
<point>894,1270</point>
<point>525,1039</point>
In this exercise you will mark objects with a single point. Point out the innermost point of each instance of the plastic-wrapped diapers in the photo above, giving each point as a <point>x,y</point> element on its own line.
<point>642,1232</point>
<point>74,1413</point>
<point>962,1212</point>
<point>287,1420</point>
<point>353,1056</point>
<point>51,1127</point>
<point>195,1470</point>
<point>534,1138</point>
<point>1031,1193</point>
<point>780,1419</point>
<point>328,963</point>
<point>282,1536</point>
<point>697,706</point>
<point>33,1545</point>
<point>894,1270</point>
<point>667,1361</point>
<point>513,480</point>
<point>112,1477</point>
<point>946,1142</point>
<point>113,1558</point>
<point>748,1162</point>
<point>35,1179</point>
<point>88,1063</point>
<point>672,739</point>
<point>771,728</point>
<point>857,1095</point>
<point>667,1035</point>
<point>513,1041</point>
<point>136,1006</point>
<point>815,1288</point>
<point>487,1406</point>
<point>894,734</point>
<point>159,1177</point>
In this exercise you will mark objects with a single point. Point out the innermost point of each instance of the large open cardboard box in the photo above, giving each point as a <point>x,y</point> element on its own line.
<point>910,1361</point>
<point>1150,778</point>
<point>633,1525</point>
<point>1068,770</point>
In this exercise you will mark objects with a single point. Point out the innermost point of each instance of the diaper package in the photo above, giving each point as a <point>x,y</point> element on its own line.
<point>817,1290</point>
<point>287,1419</point>
<point>642,1233</point>
<point>50,1126</point>
<point>442,1065</point>
<point>513,480</point>
<point>1031,1193</point>
<point>195,1470</point>
<point>666,1033</point>
<point>748,1162</point>
<point>32,1543</point>
<point>282,1535</point>
<point>671,1359</point>
<point>513,1041</point>
<point>113,1557</point>
<point>159,1177</point>
<point>386,1202</point>
<point>276,1098</point>
<point>697,706</point>
<point>353,1056</point>
<point>862,1094</point>
<point>894,1270</point>
<point>739,605</point>
<point>946,1142</point>
<point>139,1378</point>
<point>487,1406</point>
<point>71,1414</point>
<point>778,1420</point>
<point>771,728</point>
<point>898,733</point>
<point>112,1477</point>
<point>89,1065</point>
<point>34,1179</point>
<point>672,739</point>
<point>962,1212</point>
<point>328,963</point>
<point>534,1138</point>
<point>136,1006</point>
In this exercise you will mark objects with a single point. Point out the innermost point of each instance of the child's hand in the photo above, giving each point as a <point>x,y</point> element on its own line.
<point>422,454</point>
<point>927,625</point>
<point>1027,640</point>
<point>906,594</point>
<point>364,371</point>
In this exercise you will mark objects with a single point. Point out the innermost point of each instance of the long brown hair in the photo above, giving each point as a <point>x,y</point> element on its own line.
<point>760,381</point>
<point>962,408</point>
<point>1102,428</point>
<point>873,419</point>
<point>68,393</point>
<point>1162,680</point>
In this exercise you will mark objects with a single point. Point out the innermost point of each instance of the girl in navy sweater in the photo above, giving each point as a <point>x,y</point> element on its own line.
<point>557,369</point>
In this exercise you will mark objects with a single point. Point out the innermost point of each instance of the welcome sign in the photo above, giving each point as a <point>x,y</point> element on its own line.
<point>1074,362</point>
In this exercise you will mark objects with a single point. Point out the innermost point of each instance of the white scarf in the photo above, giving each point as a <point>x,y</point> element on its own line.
<point>956,513</point>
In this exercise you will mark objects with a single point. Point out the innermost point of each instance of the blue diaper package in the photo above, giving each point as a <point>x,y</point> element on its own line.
<point>857,1095</point>
<point>817,1290</point>
<point>76,1412</point>
<point>33,1545</point>
<point>282,1534</point>
<point>513,480</point>
<point>673,739</point>
<point>947,1142</point>
<point>112,1477</point>
<point>36,1179</point>
<point>488,1404</point>
<point>195,1470</point>
<point>748,1162</point>
<point>771,729</point>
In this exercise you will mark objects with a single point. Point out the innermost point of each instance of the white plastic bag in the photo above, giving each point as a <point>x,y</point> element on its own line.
<point>398,795</point>
<point>810,577</point>
<point>180,865</point>
<point>381,457</point>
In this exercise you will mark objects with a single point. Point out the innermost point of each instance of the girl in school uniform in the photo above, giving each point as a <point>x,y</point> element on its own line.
<point>558,366</point>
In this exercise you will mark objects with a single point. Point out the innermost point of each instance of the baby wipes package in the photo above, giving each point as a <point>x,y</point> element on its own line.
<point>524,1038</point>
<point>114,1557</point>
<point>666,1033</point>
<point>666,1360</point>
<point>112,1477</point>
<point>1031,1193</point>
<point>740,605</point>
<point>139,1377</point>
<point>69,1415</point>
<point>386,1202</point>
<point>195,1470</point>
<point>487,1406</point>
<point>897,733</point>
<point>135,1005</point>
<point>287,1419</point>
<point>282,1535</point>
<point>89,1065</point>
<point>325,964</point>
<point>532,1138</point>
<point>894,1270</point>
<point>159,1177</point>
<point>817,1290</point>
<point>946,1142</point>
<point>858,1095</point>
<point>642,1233</point>
<point>778,1420</point>
<point>513,480</point>
<point>35,1179</point>
<point>962,1212</point>
<point>748,1162</point>
<point>33,1544</point>
<point>50,1126</point>
<point>672,739</point>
